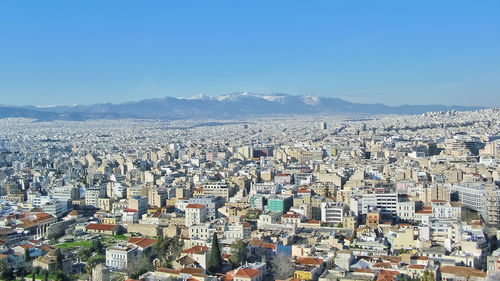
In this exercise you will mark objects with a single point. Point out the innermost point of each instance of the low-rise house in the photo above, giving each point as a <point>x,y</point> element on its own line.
<point>109,229</point>
<point>307,268</point>
<point>461,273</point>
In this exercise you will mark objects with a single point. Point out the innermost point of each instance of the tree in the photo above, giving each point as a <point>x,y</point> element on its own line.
<point>59,259</point>
<point>92,262</point>
<point>23,269</point>
<point>327,192</point>
<point>7,272</point>
<point>215,259</point>
<point>239,252</point>
<point>84,253</point>
<point>27,257</point>
<point>167,249</point>
<point>97,247</point>
<point>428,276</point>
<point>340,225</point>
<point>282,267</point>
<point>139,266</point>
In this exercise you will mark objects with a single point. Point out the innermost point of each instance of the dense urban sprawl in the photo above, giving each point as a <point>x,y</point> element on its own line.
<point>412,197</point>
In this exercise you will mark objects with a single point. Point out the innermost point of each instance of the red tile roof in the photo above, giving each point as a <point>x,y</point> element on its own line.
<point>43,217</point>
<point>387,275</point>
<point>291,216</point>
<point>310,261</point>
<point>269,246</point>
<point>195,250</point>
<point>195,206</point>
<point>142,242</point>
<point>100,226</point>
<point>247,272</point>
<point>192,271</point>
<point>462,271</point>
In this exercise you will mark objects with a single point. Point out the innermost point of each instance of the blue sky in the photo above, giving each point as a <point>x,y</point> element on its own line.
<point>392,52</point>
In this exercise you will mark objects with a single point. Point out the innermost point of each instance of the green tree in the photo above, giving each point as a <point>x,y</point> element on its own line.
<point>340,225</point>
<point>281,267</point>
<point>59,259</point>
<point>7,272</point>
<point>60,276</point>
<point>239,252</point>
<point>327,192</point>
<point>84,253</point>
<point>215,259</point>
<point>95,260</point>
<point>23,269</point>
<point>92,262</point>
<point>139,266</point>
<point>97,247</point>
<point>27,257</point>
<point>428,276</point>
<point>167,249</point>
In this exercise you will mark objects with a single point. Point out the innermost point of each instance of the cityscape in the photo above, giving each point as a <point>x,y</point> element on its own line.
<point>403,197</point>
<point>250,140</point>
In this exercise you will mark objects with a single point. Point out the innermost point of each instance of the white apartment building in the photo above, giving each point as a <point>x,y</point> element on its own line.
<point>238,231</point>
<point>201,231</point>
<point>385,202</point>
<point>119,257</point>
<point>445,210</point>
<point>333,212</point>
<point>221,189</point>
<point>92,195</point>
<point>196,214</point>
<point>406,209</point>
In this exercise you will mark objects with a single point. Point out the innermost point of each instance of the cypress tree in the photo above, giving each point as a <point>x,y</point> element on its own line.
<point>215,260</point>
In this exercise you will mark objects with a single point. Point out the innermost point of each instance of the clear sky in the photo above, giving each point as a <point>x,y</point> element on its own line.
<point>392,52</point>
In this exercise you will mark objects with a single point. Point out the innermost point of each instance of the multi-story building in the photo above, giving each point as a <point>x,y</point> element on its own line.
<point>65,192</point>
<point>55,207</point>
<point>445,210</point>
<point>211,202</point>
<point>139,203</point>
<point>313,201</point>
<point>105,204</point>
<point>157,196</point>
<point>279,203</point>
<point>385,202</point>
<point>471,194</point>
<point>196,214</point>
<point>120,257</point>
<point>405,209</point>
<point>221,189</point>
<point>333,212</point>
<point>238,231</point>
<point>201,231</point>
<point>92,195</point>
<point>491,212</point>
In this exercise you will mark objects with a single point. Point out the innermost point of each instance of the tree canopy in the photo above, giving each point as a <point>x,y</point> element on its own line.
<point>215,259</point>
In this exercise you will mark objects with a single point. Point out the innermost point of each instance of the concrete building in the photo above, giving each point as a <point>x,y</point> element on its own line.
<point>212,204</point>
<point>120,257</point>
<point>139,203</point>
<point>92,195</point>
<point>333,212</point>
<point>196,214</point>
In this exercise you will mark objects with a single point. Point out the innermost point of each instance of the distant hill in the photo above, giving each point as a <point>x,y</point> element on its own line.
<point>237,105</point>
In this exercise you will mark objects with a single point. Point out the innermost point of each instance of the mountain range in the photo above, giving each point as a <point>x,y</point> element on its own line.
<point>230,106</point>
